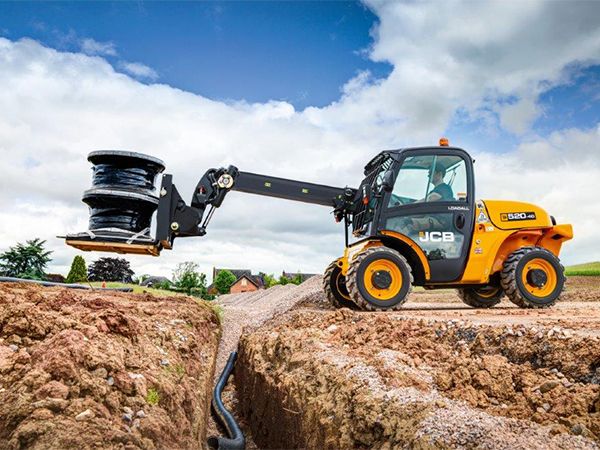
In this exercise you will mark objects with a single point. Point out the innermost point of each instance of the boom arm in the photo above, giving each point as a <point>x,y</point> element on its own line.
<point>317,194</point>
<point>122,202</point>
<point>175,218</point>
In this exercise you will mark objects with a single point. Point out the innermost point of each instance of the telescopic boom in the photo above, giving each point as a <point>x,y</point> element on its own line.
<point>116,199</point>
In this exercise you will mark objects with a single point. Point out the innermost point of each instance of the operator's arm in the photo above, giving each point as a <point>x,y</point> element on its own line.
<point>432,197</point>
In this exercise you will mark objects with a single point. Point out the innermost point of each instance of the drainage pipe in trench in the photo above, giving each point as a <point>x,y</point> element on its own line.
<point>236,440</point>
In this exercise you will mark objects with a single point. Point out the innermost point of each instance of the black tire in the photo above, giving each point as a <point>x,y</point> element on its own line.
<point>359,292</point>
<point>334,285</point>
<point>524,293</point>
<point>481,297</point>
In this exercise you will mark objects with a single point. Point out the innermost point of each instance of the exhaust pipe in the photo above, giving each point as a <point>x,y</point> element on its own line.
<point>236,440</point>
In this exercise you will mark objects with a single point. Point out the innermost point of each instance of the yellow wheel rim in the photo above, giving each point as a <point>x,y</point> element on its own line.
<point>551,277</point>
<point>339,284</point>
<point>383,265</point>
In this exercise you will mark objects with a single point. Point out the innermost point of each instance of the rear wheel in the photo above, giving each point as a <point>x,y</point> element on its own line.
<point>334,285</point>
<point>379,279</point>
<point>481,297</point>
<point>533,277</point>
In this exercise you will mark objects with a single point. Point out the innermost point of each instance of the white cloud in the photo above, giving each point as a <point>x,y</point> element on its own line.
<point>90,46</point>
<point>58,106</point>
<point>139,70</point>
<point>474,55</point>
<point>518,117</point>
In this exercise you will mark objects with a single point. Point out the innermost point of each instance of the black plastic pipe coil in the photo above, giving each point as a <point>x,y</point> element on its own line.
<point>236,440</point>
<point>140,178</point>
<point>123,193</point>
<point>63,285</point>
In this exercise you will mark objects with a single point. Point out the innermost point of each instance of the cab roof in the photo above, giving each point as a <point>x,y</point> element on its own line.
<point>397,154</point>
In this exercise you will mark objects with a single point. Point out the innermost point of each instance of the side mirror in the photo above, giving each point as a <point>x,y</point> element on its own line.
<point>387,183</point>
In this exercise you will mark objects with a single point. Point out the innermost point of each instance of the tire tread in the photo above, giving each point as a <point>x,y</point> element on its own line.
<point>508,278</point>
<point>329,292</point>
<point>352,285</point>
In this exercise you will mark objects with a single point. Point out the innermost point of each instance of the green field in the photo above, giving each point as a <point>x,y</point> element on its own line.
<point>589,269</point>
<point>137,289</point>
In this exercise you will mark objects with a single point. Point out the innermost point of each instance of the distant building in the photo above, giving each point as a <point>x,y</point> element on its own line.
<point>293,275</point>
<point>154,281</point>
<point>245,281</point>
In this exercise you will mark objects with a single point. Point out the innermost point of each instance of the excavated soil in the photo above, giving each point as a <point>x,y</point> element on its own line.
<point>361,380</point>
<point>90,369</point>
<point>82,369</point>
<point>435,375</point>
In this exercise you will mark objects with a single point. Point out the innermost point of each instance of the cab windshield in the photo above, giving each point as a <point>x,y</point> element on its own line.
<point>430,178</point>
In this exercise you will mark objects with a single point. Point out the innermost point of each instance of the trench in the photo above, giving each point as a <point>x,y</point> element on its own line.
<point>344,379</point>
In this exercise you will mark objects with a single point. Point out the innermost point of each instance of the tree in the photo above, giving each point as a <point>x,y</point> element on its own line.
<point>110,269</point>
<point>296,279</point>
<point>187,279</point>
<point>269,280</point>
<point>283,280</point>
<point>27,260</point>
<point>78,270</point>
<point>223,281</point>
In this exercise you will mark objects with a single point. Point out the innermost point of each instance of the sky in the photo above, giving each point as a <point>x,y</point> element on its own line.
<point>304,90</point>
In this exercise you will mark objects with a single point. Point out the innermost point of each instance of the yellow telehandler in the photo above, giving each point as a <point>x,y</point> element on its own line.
<point>413,221</point>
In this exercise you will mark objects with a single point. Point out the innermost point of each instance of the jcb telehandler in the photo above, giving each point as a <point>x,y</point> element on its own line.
<point>413,220</point>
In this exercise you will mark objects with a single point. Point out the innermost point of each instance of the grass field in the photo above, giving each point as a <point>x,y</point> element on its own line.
<point>137,289</point>
<point>589,269</point>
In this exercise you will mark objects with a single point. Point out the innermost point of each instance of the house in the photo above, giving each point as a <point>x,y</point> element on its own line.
<point>154,281</point>
<point>303,276</point>
<point>245,281</point>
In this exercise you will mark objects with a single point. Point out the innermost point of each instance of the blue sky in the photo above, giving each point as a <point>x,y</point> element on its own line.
<point>301,52</point>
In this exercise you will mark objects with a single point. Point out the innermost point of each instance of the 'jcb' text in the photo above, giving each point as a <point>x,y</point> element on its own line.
<point>436,236</point>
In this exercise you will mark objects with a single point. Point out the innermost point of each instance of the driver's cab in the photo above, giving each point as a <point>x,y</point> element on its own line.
<point>430,178</point>
<point>426,194</point>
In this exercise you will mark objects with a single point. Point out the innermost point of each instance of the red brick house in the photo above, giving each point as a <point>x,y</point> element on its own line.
<point>245,281</point>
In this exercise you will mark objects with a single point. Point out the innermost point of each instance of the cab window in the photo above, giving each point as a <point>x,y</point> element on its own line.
<point>430,178</point>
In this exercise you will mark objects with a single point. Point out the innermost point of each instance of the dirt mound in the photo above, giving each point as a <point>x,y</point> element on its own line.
<point>362,380</point>
<point>89,369</point>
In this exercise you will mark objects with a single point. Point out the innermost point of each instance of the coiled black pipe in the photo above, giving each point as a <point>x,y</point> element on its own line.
<point>64,285</point>
<point>236,440</point>
<point>123,195</point>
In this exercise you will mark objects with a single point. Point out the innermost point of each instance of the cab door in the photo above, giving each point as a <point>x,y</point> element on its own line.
<point>432,203</point>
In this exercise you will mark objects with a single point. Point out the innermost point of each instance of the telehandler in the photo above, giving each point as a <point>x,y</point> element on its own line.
<point>412,221</point>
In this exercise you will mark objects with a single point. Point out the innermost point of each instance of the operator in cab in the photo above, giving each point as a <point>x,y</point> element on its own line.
<point>441,191</point>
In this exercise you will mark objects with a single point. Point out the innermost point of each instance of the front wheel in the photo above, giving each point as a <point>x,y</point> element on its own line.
<point>379,279</point>
<point>533,277</point>
<point>334,285</point>
<point>481,297</point>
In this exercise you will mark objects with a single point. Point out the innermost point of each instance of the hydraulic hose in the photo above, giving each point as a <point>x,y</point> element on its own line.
<point>236,440</point>
<point>64,285</point>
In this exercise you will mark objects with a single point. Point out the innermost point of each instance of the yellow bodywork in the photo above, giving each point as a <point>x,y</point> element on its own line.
<point>352,250</point>
<point>495,236</point>
<point>500,228</point>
